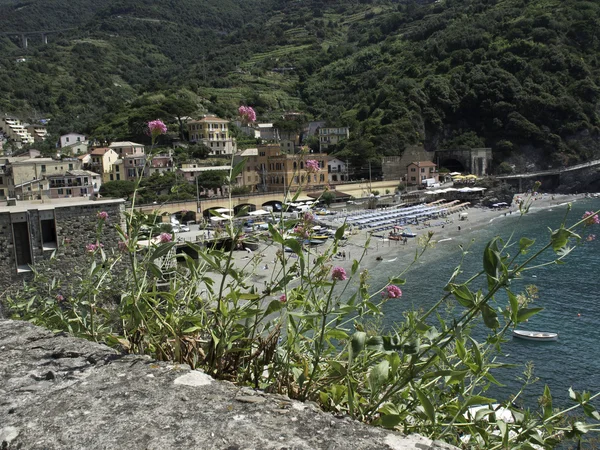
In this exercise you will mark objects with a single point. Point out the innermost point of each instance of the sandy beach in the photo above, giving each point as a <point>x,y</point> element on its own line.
<point>266,268</point>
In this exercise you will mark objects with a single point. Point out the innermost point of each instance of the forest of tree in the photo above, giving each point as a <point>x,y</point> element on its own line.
<point>520,76</point>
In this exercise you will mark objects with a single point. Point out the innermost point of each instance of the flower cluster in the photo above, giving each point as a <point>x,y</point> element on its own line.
<point>91,248</point>
<point>165,237</point>
<point>309,217</point>
<point>102,215</point>
<point>590,218</point>
<point>392,291</point>
<point>59,298</point>
<point>283,298</point>
<point>247,114</point>
<point>312,165</point>
<point>299,230</point>
<point>338,274</point>
<point>157,127</point>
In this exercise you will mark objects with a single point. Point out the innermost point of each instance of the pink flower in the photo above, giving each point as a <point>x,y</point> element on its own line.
<point>157,127</point>
<point>338,274</point>
<point>59,298</point>
<point>590,218</point>
<point>102,215</point>
<point>392,291</point>
<point>308,217</point>
<point>283,298</point>
<point>247,114</point>
<point>165,237</point>
<point>91,248</point>
<point>312,165</point>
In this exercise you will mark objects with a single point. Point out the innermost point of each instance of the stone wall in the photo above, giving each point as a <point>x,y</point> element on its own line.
<point>76,226</point>
<point>58,392</point>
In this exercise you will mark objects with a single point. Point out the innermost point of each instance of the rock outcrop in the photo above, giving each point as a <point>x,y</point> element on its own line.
<point>59,392</point>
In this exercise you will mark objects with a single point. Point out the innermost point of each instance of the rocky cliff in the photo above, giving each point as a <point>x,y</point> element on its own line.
<point>58,392</point>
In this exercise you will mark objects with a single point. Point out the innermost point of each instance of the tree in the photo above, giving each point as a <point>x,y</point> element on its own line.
<point>212,179</point>
<point>117,189</point>
<point>327,197</point>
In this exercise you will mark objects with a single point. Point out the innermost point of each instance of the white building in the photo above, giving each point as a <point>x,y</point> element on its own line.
<point>15,130</point>
<point>67,140</point>
<point>337,171</point>
<point>331,136</point>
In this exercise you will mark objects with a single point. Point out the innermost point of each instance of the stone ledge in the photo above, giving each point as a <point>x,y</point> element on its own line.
<point>58,392</point>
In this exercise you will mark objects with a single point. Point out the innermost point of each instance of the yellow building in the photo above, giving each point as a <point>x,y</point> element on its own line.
<point>267,169</point>
<point>214,133</point>
<point>103,161</point>
<point>37,168</point>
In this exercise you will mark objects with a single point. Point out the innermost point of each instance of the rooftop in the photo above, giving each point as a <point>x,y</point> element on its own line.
<point>424,163</point>
<point>208,119</point>
<point>46,204</point>
<point>125,144</point>
<point>204,169</point>
<point>99,151</point>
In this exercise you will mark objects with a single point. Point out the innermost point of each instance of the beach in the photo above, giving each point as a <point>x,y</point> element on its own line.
<point>372,250</point>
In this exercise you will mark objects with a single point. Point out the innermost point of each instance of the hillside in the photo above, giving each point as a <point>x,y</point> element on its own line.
<point>520,76</point>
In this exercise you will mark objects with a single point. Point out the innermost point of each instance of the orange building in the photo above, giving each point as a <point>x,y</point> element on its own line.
<point>417,172</point>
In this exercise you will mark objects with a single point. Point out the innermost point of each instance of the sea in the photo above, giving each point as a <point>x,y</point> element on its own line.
<point>567,292</point>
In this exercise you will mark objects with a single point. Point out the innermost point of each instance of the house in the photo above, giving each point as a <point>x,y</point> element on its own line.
<point>76,148</point>
<point>70,139</point>
<point>102,161</point>
<point>74,183</point>
<point>249,176</point>
<point>134,166</point>
<point>32,231</point>
<point>331,136</point>
<point>6,186</point>
<point>128,148</point>
<point>337,171</point>
<point>161,164</point>
<point>29,169</point>
<point>214,133</point>
<point>417,172</point>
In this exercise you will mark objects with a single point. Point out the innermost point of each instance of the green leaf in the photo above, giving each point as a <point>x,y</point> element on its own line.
<point>477,400</point>
<point>339,233</point>
<point>338,334</point>
<point>274,306</point>
<point>237,169</point>
<point>490,317</point>
<point>379,375</point>
<point>427,406</point>
<point>560,238</point>
<point>525,243</point>
<point>248,296</point>
<point>397,281</point>
<point>294,245</point>
<point>275,235</point>
<point>463,295</point>
<point>514,306</point>
<point>162,250</point>
<point>390,420</point>
<point>526,313</point>
<point>547,402</point>
<point>357,343</point>
<point>491,259</point>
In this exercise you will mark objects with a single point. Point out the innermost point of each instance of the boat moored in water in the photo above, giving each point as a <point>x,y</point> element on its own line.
<point>535,335</point>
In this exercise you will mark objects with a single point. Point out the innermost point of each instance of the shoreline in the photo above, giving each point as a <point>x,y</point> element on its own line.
<point>382,250</point>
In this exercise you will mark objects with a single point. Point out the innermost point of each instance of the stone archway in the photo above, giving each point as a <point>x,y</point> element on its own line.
<point>244,206</point>
<point>453,165</point>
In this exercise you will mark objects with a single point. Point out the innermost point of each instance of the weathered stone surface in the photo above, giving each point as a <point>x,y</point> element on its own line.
<point>58,392</point>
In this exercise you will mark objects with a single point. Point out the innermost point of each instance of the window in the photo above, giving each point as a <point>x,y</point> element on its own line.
<point>422,169</point>
<point>322,177</point>
<point>70,166</point>
<point>22,245</point>
<point>111,177</point>
<point>118,176</point>
<point>1,180</point>
<point>48,228</point>
<point>67,139</point>
<point>413,179</point>
<point>43,168</point>
<point>61,191</point>
<point>412,169</point>
<point>69,191</point>
<point>1,192</point>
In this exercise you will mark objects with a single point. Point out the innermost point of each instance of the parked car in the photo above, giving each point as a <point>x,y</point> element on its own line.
<point>184,228</point>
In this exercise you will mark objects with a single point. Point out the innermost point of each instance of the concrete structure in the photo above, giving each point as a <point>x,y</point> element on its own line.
<point>417,172</point>
<point>332,135</point>
<point>31,231</point>
<point>69,139</point>
<point>214,133</point>
<point>39,132</point>
<point>96,398</point>
<point>476,161</point>
<point>74,183</point>
<point>15,130</point>
<point>337,171</point>
<point>249,177</point>
<point>36,168</point>
<point>128,148</point>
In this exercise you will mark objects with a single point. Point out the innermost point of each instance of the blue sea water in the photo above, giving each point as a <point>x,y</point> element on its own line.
<point>568,292</point>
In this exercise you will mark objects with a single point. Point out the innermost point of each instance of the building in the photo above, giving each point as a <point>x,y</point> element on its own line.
<point>69,139</point>
<point>274,170</point>
<point>161,164</point>
<point>249,176</point>
<point>103,161</point>
<point>214,133</point>
<point>30,232</point>
<point>74,183</point>
<point>24,170</point>
<point>15,131</point>
<point>134,166</point>
<point>337,171</point>
<point>128,148</point>
<point>6,186</point>
<point>189,172</point>
<point>418,172</point>
<point>39,132</point>
<point>331,136</point>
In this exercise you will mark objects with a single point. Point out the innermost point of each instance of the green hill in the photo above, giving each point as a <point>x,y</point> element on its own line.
<point>520,76</point>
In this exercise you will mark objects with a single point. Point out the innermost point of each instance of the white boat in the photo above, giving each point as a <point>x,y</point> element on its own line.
<point>535,335</point>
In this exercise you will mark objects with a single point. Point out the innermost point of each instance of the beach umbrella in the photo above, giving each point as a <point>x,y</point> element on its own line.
<point>472,177</point>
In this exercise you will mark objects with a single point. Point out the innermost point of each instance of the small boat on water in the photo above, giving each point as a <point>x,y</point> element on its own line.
<point>535,335</point>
